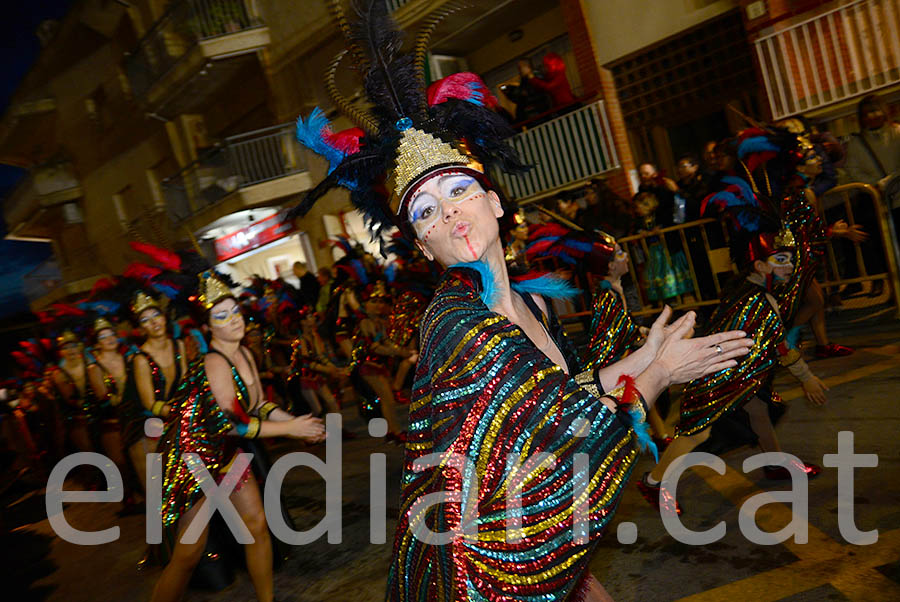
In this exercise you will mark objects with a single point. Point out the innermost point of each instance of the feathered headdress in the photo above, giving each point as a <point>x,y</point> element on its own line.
<point>756,229</point>
<point>403,138</point>
<point>595,251</point>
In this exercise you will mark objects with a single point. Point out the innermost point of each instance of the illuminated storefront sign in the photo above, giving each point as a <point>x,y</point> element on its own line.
<point>253,236</point>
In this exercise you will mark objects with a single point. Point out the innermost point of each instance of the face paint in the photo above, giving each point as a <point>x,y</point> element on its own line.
<point>224,316</point>
<point>471,250</point>
<point>781,264</point>
<point>425,207</point>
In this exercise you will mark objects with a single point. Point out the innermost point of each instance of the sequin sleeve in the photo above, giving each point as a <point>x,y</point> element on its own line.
<point>486,402</point>
<point>708,398</point>
<point>613,333</point>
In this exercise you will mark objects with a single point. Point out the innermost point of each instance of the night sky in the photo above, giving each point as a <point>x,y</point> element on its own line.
<point>21,49</point>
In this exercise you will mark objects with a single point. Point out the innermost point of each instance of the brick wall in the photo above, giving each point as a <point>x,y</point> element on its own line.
<point>597,80</point>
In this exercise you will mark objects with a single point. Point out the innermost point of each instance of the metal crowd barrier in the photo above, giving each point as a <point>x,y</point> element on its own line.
<point>864,275</point>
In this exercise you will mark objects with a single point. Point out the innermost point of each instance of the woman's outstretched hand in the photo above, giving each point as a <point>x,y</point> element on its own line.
<point>307,427</point>
<point>683,359</point>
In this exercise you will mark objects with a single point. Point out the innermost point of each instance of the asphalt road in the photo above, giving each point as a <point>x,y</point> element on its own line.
<point>865,389</point>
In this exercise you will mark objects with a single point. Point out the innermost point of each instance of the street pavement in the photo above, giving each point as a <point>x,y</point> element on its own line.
<point>863,396</point>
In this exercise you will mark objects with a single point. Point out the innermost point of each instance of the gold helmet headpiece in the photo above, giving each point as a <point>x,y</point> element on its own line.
<point>142,301</point>
<point>211,289</point>
<point>67,337</point>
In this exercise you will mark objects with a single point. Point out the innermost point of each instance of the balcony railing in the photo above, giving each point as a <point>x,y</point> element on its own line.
<point>844,52</point>
<point>185,24</point>
<point>573,147</point>
<point>240,161</point>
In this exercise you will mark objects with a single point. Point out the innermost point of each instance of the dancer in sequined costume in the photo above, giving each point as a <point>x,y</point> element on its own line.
<point>493,384</point>
<point>108,373</point>
<point>764,248</point>
<point>219,400</point>
<point>75,397</point>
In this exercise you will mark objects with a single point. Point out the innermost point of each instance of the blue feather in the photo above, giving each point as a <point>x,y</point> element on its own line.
<point>309,134</point>
<point>360,270</point>
<point>642,432</point>
<point>793,337</point>
<point>165,289</point>
<point>176,330</point>
<point>390,272</point>
<point>488,283</point>
<point>201,341</point>
<point>546,285</point>
<point>104,308</point>
<point>746,191</point>
<point>756,144</point>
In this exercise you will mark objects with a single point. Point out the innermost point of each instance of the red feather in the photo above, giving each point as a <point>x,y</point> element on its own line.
<point>101,285</point>
<point>141,271</point>
<point>346,141</point>
<point>462,86</point>
<point>62,309</point>
<point>164,257</point>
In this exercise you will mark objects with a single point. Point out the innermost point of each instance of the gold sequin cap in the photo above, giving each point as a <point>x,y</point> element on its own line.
<point>143,301</point>
<point>66,338</point>
<point>420,153</point>
<point>103,324</point>
<point>211,289</point>
<point>785,238</point>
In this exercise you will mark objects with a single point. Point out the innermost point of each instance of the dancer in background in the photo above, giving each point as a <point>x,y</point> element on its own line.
<point>221,399</point>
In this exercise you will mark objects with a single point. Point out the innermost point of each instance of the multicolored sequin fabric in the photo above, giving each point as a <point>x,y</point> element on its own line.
<point>809,235</point>
<point>483,393</point>
<point>613,333</point>
<point>406,313</point>
<point>707,399</point>
<point>197,425</point>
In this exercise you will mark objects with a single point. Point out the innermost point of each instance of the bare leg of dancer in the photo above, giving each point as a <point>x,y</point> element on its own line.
<point>175,577</point>
<point>259,553</point>
<point>762,425</point>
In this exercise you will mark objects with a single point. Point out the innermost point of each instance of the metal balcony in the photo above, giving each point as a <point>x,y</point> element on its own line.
<point>571,148</point>
<point>250,169</point>
<point>836,55</point>
<point>208,38</point>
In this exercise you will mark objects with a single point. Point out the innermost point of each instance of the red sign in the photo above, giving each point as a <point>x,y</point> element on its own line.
<point>252,237</point>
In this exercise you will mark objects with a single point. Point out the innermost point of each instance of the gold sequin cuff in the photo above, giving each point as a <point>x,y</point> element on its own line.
<point>589,381</point>
<point>790,357</point>
<point>266,409</point>
<point>157,408</point>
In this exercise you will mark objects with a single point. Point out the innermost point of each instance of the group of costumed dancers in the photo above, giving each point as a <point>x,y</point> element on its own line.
<point>465,337</point>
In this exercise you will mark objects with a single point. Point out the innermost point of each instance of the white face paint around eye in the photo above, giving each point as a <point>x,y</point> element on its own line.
<point>455,188</point>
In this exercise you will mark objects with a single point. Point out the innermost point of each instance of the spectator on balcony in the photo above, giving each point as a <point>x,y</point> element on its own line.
<point>531,101</point>
<point>553,80</point>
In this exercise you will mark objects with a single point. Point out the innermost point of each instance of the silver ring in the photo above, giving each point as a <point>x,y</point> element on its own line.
<point>719,349</point>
